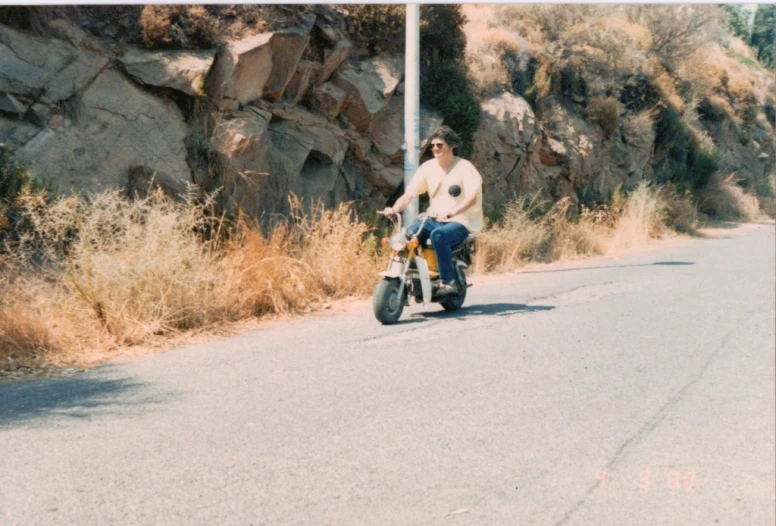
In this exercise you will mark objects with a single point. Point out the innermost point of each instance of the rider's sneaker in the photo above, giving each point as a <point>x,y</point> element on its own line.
<point>446,289</point>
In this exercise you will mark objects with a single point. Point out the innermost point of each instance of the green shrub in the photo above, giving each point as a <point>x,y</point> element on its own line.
<point>668,126</point>
<point>770,110</point>
<point>703,167</point>
<point>15,180</point>
<point>737,21</point>
<point>763,34</point>
<point>441,32</point>
<point>378,27</point>
<point>447,88</point>
<point>382,28</point>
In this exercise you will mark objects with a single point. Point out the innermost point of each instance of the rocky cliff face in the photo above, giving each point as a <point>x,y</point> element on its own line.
<point>262,116</point>
<point>563,155</point>
<point>292,109</point>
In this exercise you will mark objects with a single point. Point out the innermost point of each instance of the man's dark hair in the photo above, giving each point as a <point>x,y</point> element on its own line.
<point>447,134</point>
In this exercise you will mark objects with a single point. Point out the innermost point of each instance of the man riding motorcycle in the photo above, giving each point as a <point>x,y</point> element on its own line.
<point>455,188</point>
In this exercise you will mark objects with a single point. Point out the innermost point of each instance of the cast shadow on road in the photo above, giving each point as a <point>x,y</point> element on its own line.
<point>485,309</point>
<point>659,263</point>
<point>80,397</point>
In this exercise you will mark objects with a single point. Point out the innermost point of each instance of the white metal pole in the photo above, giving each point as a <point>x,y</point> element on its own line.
<point>411,104</point>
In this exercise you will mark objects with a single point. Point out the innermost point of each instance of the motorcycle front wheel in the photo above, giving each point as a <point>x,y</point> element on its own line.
<point>386,302</point>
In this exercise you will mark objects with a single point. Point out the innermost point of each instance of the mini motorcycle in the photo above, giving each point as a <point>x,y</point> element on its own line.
<point>413,271</point>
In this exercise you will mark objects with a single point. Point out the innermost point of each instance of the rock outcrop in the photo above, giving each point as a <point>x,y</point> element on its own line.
<point>180,70</point>
<point>370,84</point>
<point>241,71</point>
<point>41,70</point>
<point>88,116</point>
<point>518,156</point>
<point>116,130</point>
<point>258,66</point>
<point>297,109</point>
<point>504,141</point>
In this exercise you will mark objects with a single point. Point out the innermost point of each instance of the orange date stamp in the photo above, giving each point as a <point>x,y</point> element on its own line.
<point>668,477</point>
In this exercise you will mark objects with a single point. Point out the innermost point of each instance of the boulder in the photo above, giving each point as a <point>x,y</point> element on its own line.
<point>287,48</point>
<point>65,30</point>
<point>82,67</point>
<point>300,82</point>
<point>238,140</point>
<point>388,177</point>
<point>370,84</point>
<point>14,134</point>
<point>241,130</point>
<point>120,130</point>
<point>10,104</point>
<point>181,70</point>
<point>329,99</point>
<point>39,114</point>
<point>388,128</point>
<point>358,188</point>
<point>327,32</point>
<point>240,72</point>
<point>44,69</point>
<point>258,66</point>
<point>517,156</point>
<point>503,144</point>
<point>576,156</point>
<point>334,57</point>
<point>553,152</point>
<point>360,146</point>
<point>27,63</point>
<point>298,153</point>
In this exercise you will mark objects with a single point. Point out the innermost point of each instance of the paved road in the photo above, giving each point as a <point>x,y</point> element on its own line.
<point>637,390</point>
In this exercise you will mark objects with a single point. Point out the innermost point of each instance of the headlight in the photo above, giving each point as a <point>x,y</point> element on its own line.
<point>398,242</point>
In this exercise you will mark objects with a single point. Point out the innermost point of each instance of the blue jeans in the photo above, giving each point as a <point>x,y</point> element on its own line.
<point>444,236</point>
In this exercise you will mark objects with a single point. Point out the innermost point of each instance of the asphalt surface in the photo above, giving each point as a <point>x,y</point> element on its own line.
<point>631,390</point>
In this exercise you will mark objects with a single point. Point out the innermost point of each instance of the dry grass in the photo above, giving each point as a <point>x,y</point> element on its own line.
<point>40,326</point>
<point>681,213</point>
<point>677,30</point>
<point>337,248</point>
<point>91,279</point>
<point>514,239</point>
<point>24,339</point>
<point>164,26</point>
<point>139,266</point>
<point>768,197</point>
<point>485,58</point>
<point>635,33</point>
<point>642,219</point>
<point>534,230</point>
<point>724,199</point>
<point>111,273</point>
<point>666,86</point>
<point>605,111</point>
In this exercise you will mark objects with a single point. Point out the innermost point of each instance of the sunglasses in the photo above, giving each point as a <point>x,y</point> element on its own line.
<point>438,145</point>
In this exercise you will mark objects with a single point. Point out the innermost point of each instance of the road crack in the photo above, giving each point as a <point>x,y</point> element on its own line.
<point>658,417</point>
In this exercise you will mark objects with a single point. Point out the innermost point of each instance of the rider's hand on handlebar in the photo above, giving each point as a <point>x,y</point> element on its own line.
<point>439,216</point>
<point>388,211</point>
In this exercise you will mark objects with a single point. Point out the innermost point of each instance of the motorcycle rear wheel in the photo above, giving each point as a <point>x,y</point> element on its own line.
<point>455,301</point>
<point>386,302</point>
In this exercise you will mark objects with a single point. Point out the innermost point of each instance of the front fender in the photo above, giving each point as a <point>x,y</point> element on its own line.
<point>390,274</point>
<point>425,278</point>
<point>395,269</point>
